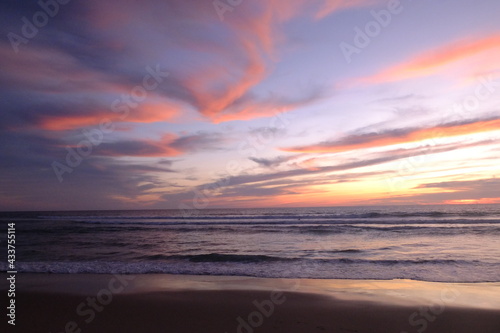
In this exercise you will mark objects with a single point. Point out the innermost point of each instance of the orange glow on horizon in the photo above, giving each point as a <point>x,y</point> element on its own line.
<point>472,201</point>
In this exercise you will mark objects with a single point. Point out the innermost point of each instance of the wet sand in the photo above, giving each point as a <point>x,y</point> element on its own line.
<point>168,303</point>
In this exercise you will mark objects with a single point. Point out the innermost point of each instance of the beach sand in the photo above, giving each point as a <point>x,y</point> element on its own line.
<point>173,303</point>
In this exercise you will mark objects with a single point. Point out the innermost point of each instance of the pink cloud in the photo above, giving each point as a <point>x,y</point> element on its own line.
<point>331,6</point>
<point>143,148</point>
<point>394,137</point>
<point>144,113</point>
<point>435,60</point>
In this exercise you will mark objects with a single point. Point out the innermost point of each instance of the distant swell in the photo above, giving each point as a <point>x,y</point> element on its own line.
<point>206,218</point>
<point>215,257</point>
<point>432,243</point>
<point>347,251</point>
<point>261,266</point>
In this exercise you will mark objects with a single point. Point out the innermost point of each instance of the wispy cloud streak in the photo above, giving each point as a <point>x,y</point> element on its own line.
<point>399,136</point>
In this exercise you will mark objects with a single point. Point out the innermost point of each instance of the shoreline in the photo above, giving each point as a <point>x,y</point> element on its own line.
<point>184,303</point>
<point>399,291</point>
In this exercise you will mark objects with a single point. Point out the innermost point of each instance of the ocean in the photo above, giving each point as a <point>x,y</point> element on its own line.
<point>452,243</point>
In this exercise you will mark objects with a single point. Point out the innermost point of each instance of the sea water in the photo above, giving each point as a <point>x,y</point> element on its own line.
<point>452,243</point>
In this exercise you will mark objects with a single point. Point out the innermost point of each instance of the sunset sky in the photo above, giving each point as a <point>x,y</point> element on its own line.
<point>252,103</point>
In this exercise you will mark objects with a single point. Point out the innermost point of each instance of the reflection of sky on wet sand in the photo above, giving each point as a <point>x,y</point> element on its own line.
<point>397,292</point>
